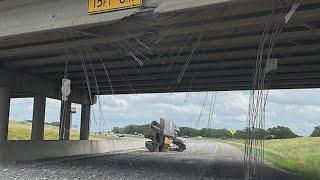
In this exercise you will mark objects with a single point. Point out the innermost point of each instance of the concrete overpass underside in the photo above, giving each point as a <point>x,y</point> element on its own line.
<point>162,46</point>
<point>212,43</point>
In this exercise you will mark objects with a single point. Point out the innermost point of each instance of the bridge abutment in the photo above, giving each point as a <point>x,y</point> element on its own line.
<point>4,112</point>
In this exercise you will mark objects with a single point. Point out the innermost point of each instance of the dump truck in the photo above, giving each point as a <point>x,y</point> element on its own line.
<point>163,137</point>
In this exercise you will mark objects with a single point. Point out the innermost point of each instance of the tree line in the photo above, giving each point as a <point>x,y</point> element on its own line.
<point>47,123</point>
<point>279,132</point>
<point>131,129</point>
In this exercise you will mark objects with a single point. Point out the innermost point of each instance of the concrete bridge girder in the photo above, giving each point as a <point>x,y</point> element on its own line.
<point>25,85</point>
<point>41,15</point>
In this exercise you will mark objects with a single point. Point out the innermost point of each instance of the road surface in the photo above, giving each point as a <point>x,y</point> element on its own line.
<point>203,159</point>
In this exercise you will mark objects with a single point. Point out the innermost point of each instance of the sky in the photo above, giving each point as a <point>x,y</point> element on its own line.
<point>296,109</point>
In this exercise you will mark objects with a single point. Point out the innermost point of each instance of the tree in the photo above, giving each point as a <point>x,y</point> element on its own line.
<point>116,130</point>
<point>281,132</point>
<point>256,133</point>
<point>185,131</point>
<point>53,124</point>
<point>316,132</point>
<point>131,129</point>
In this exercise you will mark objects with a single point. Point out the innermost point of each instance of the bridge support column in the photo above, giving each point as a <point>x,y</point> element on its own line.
<point>39,108</point>
<point>65,121</point>
<point>4,112</point>
<point>85,122</point>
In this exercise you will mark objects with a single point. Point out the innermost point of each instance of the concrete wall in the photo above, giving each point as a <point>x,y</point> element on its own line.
<point>34,150</point>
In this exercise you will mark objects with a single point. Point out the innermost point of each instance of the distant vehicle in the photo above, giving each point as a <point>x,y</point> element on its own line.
<point>163,137</point>
<point>121,135</point>
<point>269,137</point>
<point>199,137</point>
<point>186,136</point>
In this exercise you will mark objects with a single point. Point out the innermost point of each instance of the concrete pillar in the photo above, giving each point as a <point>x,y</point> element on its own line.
<point>85,122</point>
<point>39,108</point>
<point>65,118</point>
<point>4,112</point>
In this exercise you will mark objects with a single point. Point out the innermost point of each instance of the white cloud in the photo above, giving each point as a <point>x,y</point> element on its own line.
<point>53,103</point>
<point>21,108</point>
<point>187,109</point>
<point>120,102</point>
<point>236,103</point>
<point>295,97</point>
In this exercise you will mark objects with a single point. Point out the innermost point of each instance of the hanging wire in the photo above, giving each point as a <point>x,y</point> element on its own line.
<point>204,103</point>
<point>254,144</point>
<point>63,110</point>
<point>212,107</point>
<point>131,54</point>
<point>96,52</point>
<point>101,115</point>
<point>191,81</point>
<point>87,79</point>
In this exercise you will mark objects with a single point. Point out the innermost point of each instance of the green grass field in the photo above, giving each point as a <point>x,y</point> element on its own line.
<point>299,155</point>
<point>21,130</point>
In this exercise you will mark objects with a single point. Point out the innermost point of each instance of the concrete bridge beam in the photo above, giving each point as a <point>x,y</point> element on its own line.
<point>85,122</point>
<point>4,112</point>
<point>73,14</point>
<point>25,85</point>
<point>39,106</point>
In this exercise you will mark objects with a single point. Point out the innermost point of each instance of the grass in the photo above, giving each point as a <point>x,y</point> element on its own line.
<point>21,130</point>
<point>299,155</point>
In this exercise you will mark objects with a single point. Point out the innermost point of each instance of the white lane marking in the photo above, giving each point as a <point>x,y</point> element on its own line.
<point>216,148</point>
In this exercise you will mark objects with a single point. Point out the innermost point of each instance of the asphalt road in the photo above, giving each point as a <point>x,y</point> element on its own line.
<point>203,159</point>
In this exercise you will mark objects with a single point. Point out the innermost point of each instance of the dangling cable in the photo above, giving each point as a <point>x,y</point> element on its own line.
<point>254,144</point>
<point>65,92</point>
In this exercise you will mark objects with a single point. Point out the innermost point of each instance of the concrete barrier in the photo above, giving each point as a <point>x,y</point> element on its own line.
<point>35,150</point>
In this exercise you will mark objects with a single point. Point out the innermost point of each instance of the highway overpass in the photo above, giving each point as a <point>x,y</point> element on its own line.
<point>156,47</point>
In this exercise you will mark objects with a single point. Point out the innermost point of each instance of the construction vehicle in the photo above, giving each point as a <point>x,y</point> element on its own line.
<point>163,137</point>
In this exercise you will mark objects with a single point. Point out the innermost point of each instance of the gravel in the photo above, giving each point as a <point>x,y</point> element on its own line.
<point>204,159</point>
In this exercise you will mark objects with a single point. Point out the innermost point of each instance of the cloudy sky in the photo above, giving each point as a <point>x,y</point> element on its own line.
<point>297,109</point>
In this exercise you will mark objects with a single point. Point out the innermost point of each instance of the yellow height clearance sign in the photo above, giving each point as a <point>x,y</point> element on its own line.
<point>98,6</point>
